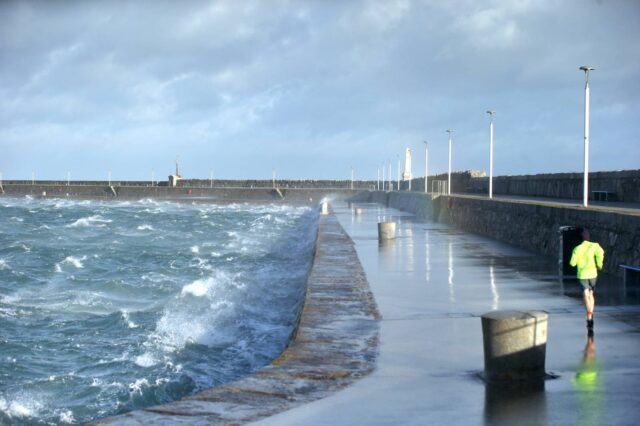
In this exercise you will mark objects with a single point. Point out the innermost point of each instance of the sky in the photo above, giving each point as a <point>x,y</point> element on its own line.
<point>240,89</point>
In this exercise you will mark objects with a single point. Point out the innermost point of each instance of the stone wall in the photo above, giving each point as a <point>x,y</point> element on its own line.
<point>238,194</point>
<point>533,226</point>
<point>215,183</point>
<point>624,184</point>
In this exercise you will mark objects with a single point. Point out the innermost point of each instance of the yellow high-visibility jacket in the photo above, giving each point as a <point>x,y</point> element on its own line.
<point>588,257</point>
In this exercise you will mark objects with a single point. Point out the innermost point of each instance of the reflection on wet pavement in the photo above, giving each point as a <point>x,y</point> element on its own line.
<point>588,388</point>
<point>520,403</point>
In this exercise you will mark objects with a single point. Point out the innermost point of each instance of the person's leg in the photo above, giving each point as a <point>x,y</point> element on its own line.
<point>589,303</point>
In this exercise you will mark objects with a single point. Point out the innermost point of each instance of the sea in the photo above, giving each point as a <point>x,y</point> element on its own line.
<point>111,306</point>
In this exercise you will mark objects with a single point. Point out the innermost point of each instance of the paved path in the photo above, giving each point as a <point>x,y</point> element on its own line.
<point>602,206</point>
<point>431,285</point>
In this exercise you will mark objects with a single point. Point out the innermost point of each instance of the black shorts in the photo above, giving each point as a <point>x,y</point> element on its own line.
<point>589,284</point>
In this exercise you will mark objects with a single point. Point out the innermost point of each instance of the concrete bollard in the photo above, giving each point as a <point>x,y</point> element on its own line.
<point>324,208</point>
<point>515,345</point>
<point>386,231</point>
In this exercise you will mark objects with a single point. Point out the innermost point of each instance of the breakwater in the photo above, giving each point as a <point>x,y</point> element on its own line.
<point>528,224</point>
<point>240,193</point>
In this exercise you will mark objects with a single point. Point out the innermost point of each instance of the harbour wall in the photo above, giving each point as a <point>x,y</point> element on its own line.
<point>527,224</point>
<point>102,190</point>
<point>621,185</point>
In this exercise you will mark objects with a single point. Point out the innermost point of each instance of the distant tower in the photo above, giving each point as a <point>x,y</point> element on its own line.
<point>407,165</point>
<point>173,179</point>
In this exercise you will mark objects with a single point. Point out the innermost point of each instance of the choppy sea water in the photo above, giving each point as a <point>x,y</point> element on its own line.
<point>111,306</point>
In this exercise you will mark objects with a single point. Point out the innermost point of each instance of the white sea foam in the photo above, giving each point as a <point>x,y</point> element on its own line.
<point>194,249</point>
<point>136,387</point>
<point>95,221</point>
<point>21,407</point>
<point>66,416</point>
<point>127,320</point>
<point>71,260</point>
<point>145,227</point>
<point>197,288</point>
<point>146,360</point>
<point>4,264</point>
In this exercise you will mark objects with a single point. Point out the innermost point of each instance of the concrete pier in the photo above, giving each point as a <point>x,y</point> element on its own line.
<point>432,287</point>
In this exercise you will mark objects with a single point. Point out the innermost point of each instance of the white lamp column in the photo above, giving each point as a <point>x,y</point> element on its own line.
<point>585,198</point>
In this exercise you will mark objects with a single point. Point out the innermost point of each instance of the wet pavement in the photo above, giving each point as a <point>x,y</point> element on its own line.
<point>431,285</point>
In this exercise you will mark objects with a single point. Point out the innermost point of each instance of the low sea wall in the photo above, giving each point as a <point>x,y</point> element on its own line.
<point>530,225</point>
<point>308,196</point>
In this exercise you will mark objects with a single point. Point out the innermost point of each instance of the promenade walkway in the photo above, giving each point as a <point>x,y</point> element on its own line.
<point>431,285</point>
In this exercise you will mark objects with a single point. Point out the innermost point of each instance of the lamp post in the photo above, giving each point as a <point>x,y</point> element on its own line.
<point>490,152</point>
<point>68,178</point>
<point>109,177</point>
<point>390,178</point>
<point>586,69</point>
<point>352,178</point>
<point>378,180</point>
<point>449,174</point>
<point>426,165</point>
<point>383,172</point>
<point>398,173</point>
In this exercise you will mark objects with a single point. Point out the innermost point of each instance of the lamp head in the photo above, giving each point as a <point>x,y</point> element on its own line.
<point>490,112</point>
<point>586,68</point>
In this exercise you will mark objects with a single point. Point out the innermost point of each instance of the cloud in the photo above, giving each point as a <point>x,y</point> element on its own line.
<point>246,86</point>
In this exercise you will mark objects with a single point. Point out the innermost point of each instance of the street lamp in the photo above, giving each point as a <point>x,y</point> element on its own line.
<point>352,178</point>
<point>490,152</point>
<point>426,164</point>
<point>585,194</point>
<point>398,172</point>
<point>449,175</point>
<point>378,180</point>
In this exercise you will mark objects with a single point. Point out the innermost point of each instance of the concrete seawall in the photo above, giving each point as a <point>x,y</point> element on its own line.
<point>309,196</point>
<point>527,224</point>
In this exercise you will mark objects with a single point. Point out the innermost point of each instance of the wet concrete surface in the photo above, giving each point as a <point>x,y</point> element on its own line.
<point>432,284</point>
